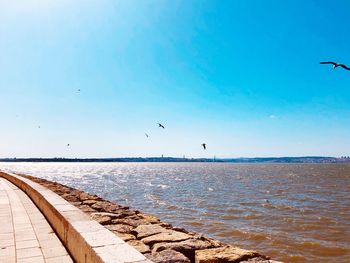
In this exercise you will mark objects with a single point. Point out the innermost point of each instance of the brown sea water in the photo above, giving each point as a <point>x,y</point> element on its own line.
<point>291,212</point>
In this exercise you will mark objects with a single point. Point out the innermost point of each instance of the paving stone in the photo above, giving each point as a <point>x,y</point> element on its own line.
<point>7,252</point>
<point>50,252</point>
<point>28,252</point>
<point>27,244</point>
<point>38,259</point>
<point>62,259</point>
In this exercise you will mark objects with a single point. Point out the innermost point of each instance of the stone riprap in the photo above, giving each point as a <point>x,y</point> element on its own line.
<point>157,240</point>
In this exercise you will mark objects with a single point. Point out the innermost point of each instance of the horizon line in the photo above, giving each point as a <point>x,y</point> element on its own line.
<point>177,157</point>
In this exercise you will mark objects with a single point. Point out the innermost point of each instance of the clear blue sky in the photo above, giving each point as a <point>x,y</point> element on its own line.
<point>242,76</point>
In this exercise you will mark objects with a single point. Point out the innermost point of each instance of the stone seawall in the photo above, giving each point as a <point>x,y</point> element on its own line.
<point>157,240</point>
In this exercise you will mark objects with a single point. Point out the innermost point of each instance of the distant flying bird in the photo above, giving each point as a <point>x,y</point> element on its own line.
<point>39,126</point>
<point>335,65</point>
<point>161,126</point>
<point>78,89</point>
<point>68,144</point>
<point>204,146</point>
<point>147,135</point>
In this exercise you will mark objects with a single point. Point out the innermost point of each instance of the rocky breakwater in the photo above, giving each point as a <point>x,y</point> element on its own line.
<point>157,240</point>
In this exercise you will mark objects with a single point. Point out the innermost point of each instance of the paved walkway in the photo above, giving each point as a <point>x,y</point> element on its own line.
<point>25,235</point>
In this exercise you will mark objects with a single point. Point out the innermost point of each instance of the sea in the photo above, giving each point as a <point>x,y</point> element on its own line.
<point>291,212</point>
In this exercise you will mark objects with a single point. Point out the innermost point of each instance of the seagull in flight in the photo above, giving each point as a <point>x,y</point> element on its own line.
<point>160,125</point>
<point>147,135</point>
<point>204,146</point>
<point>335,65</point>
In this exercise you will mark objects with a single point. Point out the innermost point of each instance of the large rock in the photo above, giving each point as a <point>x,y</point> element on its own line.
<point>86,209</point>
<point>150,218</point>
<point>168,236</point>
<point>183,246</point>
<point>124,236</point>
<point>224,255</point>
<point>111,215</point>
<point>85,196</point>
<point>187,247</point>
<point>180,229</point>
<point>130,221</point>
<point>104,206</point>
<point>102,219</point>
<point>139,246</point>
<point>149,230</point>
<point>124,213</point>
<point>89,202</point>
<point>70,198</point>
<point>260,260</point>
<point>78,203</point>
<point>168,256</point>
<point>120,228</point>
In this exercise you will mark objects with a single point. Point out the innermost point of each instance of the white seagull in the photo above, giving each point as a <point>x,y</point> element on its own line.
<point>335,65</point>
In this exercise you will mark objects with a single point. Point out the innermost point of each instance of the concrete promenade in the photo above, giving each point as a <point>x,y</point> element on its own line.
<point>25,234</point>
<point>25,207</point>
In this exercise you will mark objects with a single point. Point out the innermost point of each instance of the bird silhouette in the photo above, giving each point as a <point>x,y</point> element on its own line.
<point>39,127</point>
<point>68,144</point>
<point>160,125</point>
<point>78,89</point>
<point>147,135</point>
<point>204,146</point>
<point>335,65</point>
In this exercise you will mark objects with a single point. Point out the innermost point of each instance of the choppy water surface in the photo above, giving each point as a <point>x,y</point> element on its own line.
<point>292,212</point>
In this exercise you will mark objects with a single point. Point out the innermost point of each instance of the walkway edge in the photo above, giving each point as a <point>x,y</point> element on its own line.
<point>85,239</point>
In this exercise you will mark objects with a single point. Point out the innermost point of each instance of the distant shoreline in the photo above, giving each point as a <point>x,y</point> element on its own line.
<point>303,159</point>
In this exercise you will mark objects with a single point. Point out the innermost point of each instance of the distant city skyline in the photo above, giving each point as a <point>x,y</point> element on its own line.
<point>243,77</point>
